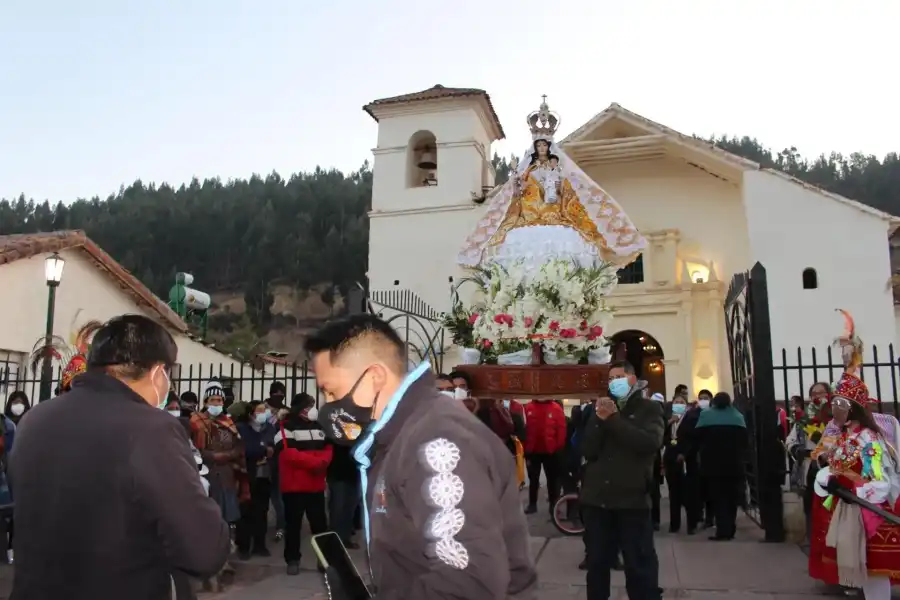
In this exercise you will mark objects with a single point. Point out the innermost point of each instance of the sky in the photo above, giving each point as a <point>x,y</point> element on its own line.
<point>99,93</point>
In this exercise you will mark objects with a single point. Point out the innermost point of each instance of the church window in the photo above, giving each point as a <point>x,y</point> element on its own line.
<point>421,160</point>
<point>633,273</point>
<point>810,279</point>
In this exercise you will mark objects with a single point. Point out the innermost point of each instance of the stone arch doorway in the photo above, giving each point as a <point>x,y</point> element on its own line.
<point>644,352</point>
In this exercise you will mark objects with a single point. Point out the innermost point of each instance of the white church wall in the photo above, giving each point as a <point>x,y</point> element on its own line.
<point>707,211</point>
<point>793,228</point>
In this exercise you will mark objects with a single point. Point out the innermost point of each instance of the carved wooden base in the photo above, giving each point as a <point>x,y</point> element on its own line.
<point>544,381</point>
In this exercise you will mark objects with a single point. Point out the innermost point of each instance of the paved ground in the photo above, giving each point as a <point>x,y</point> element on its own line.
<point>690,567</point>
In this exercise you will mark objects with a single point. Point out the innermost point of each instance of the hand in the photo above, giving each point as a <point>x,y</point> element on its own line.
<point>605,408</point>
<point>673,419</point>
<point>270,452</point>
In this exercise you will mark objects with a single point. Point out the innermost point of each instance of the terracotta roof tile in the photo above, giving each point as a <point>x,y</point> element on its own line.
<point>26,245</point>
<point>435,93</point>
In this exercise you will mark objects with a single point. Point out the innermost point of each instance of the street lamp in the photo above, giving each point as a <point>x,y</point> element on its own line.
<point>53,271</point>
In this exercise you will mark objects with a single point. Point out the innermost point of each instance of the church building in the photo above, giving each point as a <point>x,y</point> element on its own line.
<point>706,215</point>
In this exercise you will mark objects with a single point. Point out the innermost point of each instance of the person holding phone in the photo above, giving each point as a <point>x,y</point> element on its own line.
<point>443,515</point>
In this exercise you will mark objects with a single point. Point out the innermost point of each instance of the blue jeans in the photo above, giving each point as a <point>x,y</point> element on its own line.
<point>343,498</point>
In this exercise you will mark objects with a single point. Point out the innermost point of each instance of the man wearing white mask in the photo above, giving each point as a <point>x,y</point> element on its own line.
<point>112,508</point>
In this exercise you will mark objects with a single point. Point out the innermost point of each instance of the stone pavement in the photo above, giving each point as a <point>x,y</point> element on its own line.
<point>690,567</point>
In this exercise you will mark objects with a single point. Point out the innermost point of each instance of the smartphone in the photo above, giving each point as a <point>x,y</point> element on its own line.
<point>333,556</point>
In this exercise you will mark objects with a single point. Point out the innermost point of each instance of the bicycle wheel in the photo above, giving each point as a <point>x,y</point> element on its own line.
<point>564,508</point>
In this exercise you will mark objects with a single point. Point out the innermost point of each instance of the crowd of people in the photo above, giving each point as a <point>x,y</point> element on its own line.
<point>165,496</point>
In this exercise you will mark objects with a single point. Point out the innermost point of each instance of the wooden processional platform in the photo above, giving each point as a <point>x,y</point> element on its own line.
<point>537,382</point>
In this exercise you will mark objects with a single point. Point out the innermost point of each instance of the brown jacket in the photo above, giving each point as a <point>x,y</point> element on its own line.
<point>444,505</point>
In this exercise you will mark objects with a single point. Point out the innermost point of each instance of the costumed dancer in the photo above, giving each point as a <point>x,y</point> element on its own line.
<point>73,356</point>
<point>850,545</point>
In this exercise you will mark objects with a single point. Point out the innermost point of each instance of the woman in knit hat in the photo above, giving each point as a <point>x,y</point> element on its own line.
<point>216,437</point>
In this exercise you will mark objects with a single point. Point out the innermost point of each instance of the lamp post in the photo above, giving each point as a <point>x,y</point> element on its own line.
<point>53,270</point>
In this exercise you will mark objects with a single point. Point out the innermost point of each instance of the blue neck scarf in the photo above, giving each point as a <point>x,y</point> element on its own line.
<point>365,443</point>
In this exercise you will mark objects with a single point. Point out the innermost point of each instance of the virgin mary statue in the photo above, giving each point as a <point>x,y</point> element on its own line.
<point>549,209</point>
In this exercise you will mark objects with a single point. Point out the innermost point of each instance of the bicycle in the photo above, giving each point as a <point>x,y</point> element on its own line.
<point>566,514</point>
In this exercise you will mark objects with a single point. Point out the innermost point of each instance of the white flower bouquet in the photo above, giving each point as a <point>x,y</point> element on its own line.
<point>562,307</point>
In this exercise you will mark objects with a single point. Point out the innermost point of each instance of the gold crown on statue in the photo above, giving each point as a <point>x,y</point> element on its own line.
<point>543,122</point>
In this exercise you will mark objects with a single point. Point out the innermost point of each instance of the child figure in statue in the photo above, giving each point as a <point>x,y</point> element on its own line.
<point>552,181</point>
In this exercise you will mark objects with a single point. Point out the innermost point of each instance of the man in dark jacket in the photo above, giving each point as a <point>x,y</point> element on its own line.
<point>619,445</point>
<point>444,519</point>
<point>113,507</point>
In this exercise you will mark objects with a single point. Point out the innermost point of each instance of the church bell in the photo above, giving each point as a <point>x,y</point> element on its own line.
<point>427,161</point>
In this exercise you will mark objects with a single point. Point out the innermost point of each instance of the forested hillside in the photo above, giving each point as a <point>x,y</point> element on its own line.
<point>251,239</point>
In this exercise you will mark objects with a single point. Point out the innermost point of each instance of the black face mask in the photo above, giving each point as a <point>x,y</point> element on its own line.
<point>343,420</point>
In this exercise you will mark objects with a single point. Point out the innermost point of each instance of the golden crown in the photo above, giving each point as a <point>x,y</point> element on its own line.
<point>543,123</point>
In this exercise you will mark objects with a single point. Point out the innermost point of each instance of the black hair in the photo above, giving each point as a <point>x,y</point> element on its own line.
<point>534,155</point>
<point>173,397</point>
<point>720,400</point>
<point>461,375</point>
<point>824,384</point>
<point>132,345</point>
<point>710,394</point>
<point>251,408</point>
<point>680,389</point>
<point>339,336</point>
<point>444,377</point>
<point>189,397</point>
<point>301,402</point>
<point>277,387</point>
<point>622,364</point>
<point>795,400</point>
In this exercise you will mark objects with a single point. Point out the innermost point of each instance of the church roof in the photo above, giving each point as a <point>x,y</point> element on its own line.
<point>615,110</point>
<point>438,92</point>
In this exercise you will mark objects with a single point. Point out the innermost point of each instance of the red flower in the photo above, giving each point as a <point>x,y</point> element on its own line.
<point>596,331</point>
<point>568,333</point>
<point>817,401</point>
<point>498,319</point>
<point>528,321</point>
<point>554,325</point>
<point>815,421</point>
<point>487,343</point>
<point>472,318</point>
<point>591,337</point>
<point>583,325</point>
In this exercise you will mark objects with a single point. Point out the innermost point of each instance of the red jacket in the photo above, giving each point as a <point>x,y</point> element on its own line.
<point>545,427</point>
<point>303,461</point>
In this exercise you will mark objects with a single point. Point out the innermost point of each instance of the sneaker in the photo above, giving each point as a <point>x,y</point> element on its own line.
<point>293,568</point>
<point>530,509</point>
<point>279,535</point>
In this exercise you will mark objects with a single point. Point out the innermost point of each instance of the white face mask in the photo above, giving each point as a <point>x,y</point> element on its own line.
<point>17,409</point>
<point>703,403</point>
<point>161,399</point>
<point>175,413</point>
<point>312,414</point>
<point>448,393</point>
<point>460,394</point>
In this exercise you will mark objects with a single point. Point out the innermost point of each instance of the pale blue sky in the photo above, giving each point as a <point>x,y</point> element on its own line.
<point>96,93</point>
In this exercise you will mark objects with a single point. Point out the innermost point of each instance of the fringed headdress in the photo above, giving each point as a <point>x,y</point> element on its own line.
<point>850,386</point>
<point>73,355</point>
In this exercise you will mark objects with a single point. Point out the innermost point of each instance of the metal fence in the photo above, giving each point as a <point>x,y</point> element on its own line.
<point>241,382</point>
<point>800,369</point>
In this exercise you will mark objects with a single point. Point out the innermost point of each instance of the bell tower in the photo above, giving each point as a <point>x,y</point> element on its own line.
<point>431,166</point>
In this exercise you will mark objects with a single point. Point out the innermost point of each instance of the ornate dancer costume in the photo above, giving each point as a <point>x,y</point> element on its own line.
<point>850,545</point>
<point>72,356</point>
<point>523,223</point>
